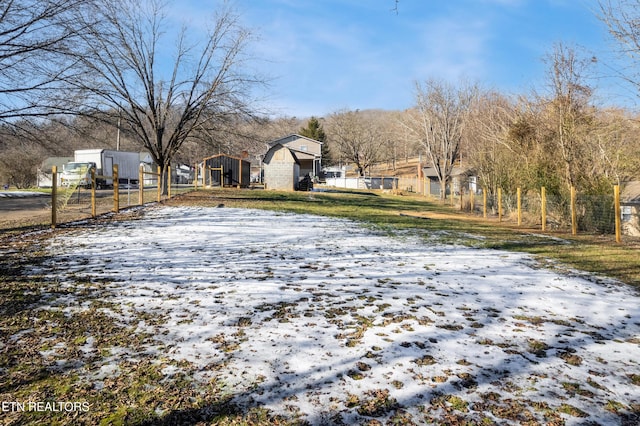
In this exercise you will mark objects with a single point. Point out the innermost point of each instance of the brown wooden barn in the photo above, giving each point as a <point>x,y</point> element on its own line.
<point>224,170</point>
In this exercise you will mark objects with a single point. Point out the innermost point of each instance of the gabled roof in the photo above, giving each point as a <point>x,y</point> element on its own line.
<point>225,155</point>
<point>146,157</point>
<point>456,171</point>
<point>278,146</point>
<point>305,155</point>
<point>631,192</point>
<point>291,138</point>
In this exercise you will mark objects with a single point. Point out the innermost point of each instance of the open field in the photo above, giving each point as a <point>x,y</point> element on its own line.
<point>394,311</point>
<point>592,253</point>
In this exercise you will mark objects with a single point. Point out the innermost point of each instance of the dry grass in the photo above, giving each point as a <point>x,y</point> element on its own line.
<point>598,254</point>
<point>135,396</point>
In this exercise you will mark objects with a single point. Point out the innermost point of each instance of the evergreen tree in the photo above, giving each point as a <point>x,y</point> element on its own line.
<point>315,131</point>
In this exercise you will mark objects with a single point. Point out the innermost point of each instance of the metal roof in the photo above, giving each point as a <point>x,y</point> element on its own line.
<point>630,193</point>
<point>292,137</point>
<point>456,171</point>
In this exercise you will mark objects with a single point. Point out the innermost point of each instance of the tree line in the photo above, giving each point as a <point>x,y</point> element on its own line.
<point>72,72</point>
<point>124,62</point>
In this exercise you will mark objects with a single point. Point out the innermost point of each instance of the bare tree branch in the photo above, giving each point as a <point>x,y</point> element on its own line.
<point>34,35</point>
<point>438,122</point>
<point>163,102</point>
<point>358,139</point>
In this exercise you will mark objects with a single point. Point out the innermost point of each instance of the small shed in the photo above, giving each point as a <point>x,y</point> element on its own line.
<point>281,168</point>
<point>308,152</point>
<point>224,170</point>
<point>630,208</point>
<point>461,178</point>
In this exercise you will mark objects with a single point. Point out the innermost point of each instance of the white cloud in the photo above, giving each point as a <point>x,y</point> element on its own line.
<point>452,48</point>
<point>361,54</point>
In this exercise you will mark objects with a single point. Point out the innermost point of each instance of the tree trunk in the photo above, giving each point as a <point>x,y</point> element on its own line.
<point>443,188</point>
<point>166,179</point>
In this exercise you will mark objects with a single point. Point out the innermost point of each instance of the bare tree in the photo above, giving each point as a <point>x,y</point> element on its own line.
<point>568,111</point>
<point>34,35</point>
<point>19,157</point>
<point>621,17</point>
<point>438,122</point>
<point>162,101</point>
<point>402,144</point>
<point>488,142</point>
<point>356,138</point>
<point>616,146</point>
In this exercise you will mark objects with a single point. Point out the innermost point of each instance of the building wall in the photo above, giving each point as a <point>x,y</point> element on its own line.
<point>237,172</point>
<point>631,219</point>
<point>308,153</point>
<point>280,169</point>
<point>305,145</point>
<point>45,175</point>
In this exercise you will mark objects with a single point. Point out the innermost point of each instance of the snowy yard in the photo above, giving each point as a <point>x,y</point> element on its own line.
<point>328,321</point>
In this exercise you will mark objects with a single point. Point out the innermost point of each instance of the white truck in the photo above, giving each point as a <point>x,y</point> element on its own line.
<point>78,172</point>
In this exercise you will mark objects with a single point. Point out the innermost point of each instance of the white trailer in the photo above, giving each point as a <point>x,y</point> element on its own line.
<point>79,171</point>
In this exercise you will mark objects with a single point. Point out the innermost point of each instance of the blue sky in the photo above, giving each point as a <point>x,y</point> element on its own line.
<point>328,55</point>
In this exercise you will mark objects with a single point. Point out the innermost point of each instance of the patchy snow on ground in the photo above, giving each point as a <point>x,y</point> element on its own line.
<point>326,319</point>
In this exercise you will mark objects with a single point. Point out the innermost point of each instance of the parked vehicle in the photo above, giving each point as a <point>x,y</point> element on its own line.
<point>77,173</point>
<point>102,160</point>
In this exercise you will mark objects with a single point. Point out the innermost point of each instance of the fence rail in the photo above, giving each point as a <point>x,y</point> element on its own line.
<point>76,202</point>
<point>576,212</point>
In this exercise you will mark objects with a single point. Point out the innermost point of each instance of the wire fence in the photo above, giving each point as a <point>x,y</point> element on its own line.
<point>576,212</point>
<point>75,202</point>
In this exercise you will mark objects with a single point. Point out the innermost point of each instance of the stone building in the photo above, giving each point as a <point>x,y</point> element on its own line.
<point>308,152</point>
<point>281,168</point>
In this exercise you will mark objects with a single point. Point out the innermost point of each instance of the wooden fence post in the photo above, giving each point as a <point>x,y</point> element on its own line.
<point>543,207</point>
<point>519,196</point>
<point>54,195</point>
<point>616,198</point>
<point>116,189</point>
<point>574,212</point>
<point>499,204</point>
